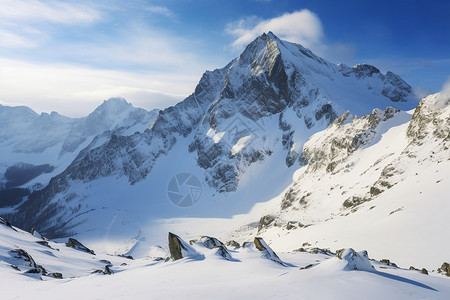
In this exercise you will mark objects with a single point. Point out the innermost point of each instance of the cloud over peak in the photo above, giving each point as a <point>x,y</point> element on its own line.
<point>302,27</point>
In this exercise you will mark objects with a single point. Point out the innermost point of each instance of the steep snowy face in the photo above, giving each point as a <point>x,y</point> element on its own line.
<point>263,104</point>
<point>380,181</point>
<point>273,80</point>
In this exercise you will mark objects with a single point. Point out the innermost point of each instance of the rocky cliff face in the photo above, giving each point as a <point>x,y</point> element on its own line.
<point>268,100</point>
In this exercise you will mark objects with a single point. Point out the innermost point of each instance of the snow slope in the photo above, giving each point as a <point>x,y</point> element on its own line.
<point>349,275</point>
<point>374,182</point>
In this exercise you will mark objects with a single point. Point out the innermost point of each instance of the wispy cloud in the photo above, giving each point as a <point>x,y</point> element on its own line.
<point>22,23</point>
<point>13,40</point>
<point>444,96</point>
<point>49,11</point>
<point>300,26</point>
<point>75,90</point>
<point>148,65</point>
<point>160,10</point>
<point>303,27</point>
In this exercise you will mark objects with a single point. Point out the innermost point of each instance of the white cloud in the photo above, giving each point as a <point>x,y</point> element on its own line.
<point>160,10</point>
<point>302,27</point>
<point>50,11</point>
<point>444,95</point>
<point>76,91</point>
<point>23,22</point>
<point>13,40</point>
<point>145,48</point>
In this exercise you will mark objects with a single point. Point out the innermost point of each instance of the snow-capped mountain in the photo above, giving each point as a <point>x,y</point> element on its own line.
<point>34,148</point>
<point>241,131</point>
<point>288,159</point>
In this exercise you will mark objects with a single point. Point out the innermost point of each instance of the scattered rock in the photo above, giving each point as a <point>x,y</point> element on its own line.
<point>222,251</point>
<point>33,271</point>
<point>6,223</point>
<point>106,261</point>
<point>107,271</point>
<point>233,244</point>
<point>42,269</point>
<point>24,256</point>
<point>36,234</point>
<point>314,250</point>
<point>445,268</point>
<point>308,267</point>
<point>175,246</point>
<point>179,248</point>
<point>265,222</point>
<point>301,249</point>
<point>126,256</point>
<point>291,225</point>
<point>412,268</point>
<point>56,275</point>
<point>268,253</point>
<point>424,271</point>
<point>44,243</point>
<point>211,242</point>
<point>317,250</point>
<point>15,267</point>
<point>387,262</point>
<point>73,243</point>
<point>355,260</point>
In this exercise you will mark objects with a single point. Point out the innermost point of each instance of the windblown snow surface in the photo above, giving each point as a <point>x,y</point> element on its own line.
<point>205,275</point>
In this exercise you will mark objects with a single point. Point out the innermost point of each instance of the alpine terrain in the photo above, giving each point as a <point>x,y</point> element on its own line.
<point>270,173</point>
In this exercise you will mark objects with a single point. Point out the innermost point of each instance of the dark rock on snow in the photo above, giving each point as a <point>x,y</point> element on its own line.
<point>268,253</point>
<point>233,244</point>
<point>73,243</point>
<point>6,223</point>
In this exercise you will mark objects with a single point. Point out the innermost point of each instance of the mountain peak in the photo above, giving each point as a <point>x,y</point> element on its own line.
<point>113,106</point>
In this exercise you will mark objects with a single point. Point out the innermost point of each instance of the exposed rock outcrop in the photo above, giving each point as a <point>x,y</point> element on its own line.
<point>355,260</point>
<point>179,248</point>
<point>73,243</point>
<point>267,252</point>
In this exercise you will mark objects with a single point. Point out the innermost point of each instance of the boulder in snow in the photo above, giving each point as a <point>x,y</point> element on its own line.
<point>73,243</point>
<point>211,242</point>
<point>355,260</point>
<point>268,253</point>
<point>445,268</point>
<point>179,248</point>
<point>106,271</point>
<point>222,251</point>
<point>233,244</point>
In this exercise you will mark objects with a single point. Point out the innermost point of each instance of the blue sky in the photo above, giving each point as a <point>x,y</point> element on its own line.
<point>70,55</point>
